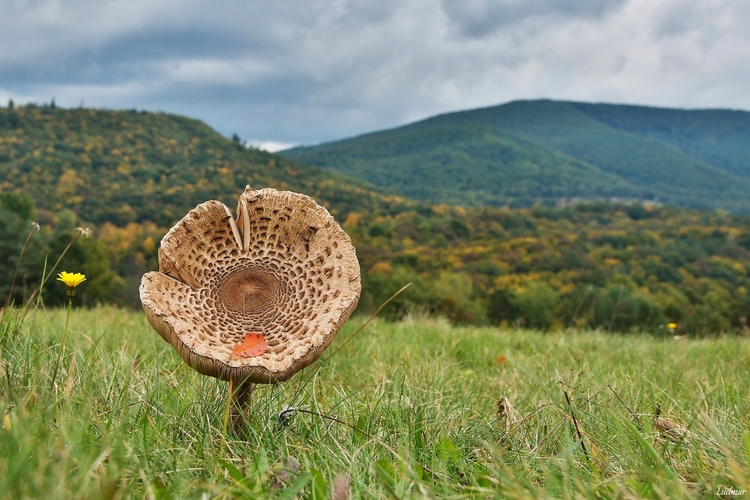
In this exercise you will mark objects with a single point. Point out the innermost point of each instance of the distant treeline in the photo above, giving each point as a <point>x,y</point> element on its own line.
<point>608,266</point>
<point>613,267</point>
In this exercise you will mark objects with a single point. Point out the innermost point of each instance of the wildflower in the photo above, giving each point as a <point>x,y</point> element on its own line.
<point>72,280</point>
<point>79,231</point>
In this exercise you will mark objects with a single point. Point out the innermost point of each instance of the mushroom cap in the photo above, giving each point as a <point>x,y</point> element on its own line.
<point>284,269</point>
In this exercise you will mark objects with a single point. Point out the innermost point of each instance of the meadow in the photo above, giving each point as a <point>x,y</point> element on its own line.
<point>414,409</point>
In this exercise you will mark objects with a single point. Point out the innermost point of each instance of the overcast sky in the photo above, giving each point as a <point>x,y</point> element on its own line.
<point>306,71</point>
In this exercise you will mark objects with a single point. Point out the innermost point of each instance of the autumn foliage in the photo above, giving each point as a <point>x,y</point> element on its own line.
<point>129,176</point>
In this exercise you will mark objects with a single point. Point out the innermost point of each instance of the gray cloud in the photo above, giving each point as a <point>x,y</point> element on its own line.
<point>316,70</point>
<point>479,18</point>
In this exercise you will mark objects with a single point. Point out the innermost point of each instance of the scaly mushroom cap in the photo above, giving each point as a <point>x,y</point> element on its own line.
<point>284,269</point>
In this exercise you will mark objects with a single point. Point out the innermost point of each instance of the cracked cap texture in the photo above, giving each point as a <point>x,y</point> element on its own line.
<point>284,268</point>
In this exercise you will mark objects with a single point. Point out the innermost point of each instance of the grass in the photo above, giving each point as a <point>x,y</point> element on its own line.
<point>406,410</point>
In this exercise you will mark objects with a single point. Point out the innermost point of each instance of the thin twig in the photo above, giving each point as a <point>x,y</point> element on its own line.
<point>34,227</point>
<point>575,423</point>
<point>536,410</point>
<point>588,400</point>
<point>607,386</point>
<point>368,320</point>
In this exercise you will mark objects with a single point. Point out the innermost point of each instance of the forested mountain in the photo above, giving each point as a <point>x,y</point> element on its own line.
<point>614,266</point>
<point>128,166</point>
<point>528,152</point>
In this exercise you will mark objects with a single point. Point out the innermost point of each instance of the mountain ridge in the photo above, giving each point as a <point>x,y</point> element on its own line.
<point>693,158</point>
<point>129,166</point>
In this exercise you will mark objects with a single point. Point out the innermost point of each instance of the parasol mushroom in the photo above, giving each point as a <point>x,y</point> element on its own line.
<point>283,273</point>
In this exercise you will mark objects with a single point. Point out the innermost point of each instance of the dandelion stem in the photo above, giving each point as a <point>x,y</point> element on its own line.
<point>62,344</point>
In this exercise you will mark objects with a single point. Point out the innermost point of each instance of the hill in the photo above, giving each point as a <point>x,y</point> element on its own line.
<point>127,166</point>
<point>527,152</point>
<point>129,176</point>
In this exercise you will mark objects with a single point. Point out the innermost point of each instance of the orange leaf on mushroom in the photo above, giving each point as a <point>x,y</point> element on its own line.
<point>254,345</point>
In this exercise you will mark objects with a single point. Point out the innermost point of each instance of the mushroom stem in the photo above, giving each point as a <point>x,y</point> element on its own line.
<point>241,392</point>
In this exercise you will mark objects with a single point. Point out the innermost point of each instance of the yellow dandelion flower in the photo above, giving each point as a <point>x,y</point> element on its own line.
<point>672,326</point>
<point>72,280</point>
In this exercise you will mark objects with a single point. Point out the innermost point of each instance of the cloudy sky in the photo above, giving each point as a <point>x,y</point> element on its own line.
<point>306,71</point>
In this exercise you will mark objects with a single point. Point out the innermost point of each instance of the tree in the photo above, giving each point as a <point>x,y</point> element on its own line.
<point>536,304</point>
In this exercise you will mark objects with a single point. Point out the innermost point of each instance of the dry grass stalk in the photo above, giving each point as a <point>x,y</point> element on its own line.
<point>508,415</point>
